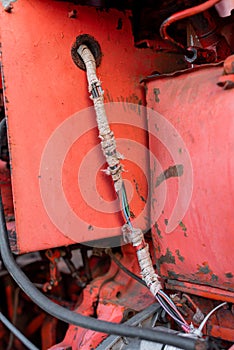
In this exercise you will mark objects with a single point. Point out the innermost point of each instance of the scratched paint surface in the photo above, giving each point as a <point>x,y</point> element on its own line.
<point>200,249</point>
<point>43,87</point>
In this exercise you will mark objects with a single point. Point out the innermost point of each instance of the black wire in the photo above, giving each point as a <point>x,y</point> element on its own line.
<point>71,317</point>
<point>125,269</point>
<point>162,301</point>
<point>17,333</point>
<point>169,310</point>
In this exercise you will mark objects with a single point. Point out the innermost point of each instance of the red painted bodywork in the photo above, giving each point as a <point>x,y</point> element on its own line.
<point>199,250</point>
<point>43,88</point>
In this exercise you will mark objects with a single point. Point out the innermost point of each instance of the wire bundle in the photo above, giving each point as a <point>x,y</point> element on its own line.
<point>115,170</point>
<point>163,299</point>
<point>168,305</point>
<point>125,205</point>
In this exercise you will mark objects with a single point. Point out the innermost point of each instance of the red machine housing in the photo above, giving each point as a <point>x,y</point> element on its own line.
<point>48,89</point>
<point>197,253</point>
<point>172,120</point>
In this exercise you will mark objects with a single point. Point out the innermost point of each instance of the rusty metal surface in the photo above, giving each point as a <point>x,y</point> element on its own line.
<point>221,325</point>
<point>202,290</point>
<point>5,185</point>
<point>199,249</point>
<point>43,88</point>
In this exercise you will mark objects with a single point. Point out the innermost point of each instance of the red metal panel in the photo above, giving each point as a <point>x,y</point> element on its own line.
<point>43,88</point>
<point>200,248</point>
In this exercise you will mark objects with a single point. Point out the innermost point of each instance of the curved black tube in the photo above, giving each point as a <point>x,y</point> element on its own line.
<point>68,316</point>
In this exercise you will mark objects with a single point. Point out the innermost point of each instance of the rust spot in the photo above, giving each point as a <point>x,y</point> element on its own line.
<point>138,191</point>
<point>167,258</point>
<point>156,92</point>
<point>157,230</point>
<point>214,277</point>
<point>229,275</point>
<point>172,171</point>
<point>166,221</point>
<point>204,269</point>
<point>184,228</point>
<point>173,275</point>
<point>180,257</point>
<point>90,228</point>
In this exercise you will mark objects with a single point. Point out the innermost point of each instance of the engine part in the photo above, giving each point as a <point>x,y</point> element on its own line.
<point>181,15</point>
<point>202,325</point>
<point>205,25</point>
<point>76,319</point>
<point>146,345</point>
<point>141,319</point>
<point>53,257</point>
<point>214,46</point>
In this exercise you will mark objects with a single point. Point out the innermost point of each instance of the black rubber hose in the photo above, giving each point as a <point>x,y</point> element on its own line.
<point>71,317</point>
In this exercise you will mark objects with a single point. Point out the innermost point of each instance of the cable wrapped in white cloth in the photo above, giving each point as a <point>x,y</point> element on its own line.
<point>106,135</point>
<point>130,234</point>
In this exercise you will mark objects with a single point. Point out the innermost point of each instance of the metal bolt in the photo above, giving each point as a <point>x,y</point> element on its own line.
<point>72,14</point>
<point>8,8</point>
